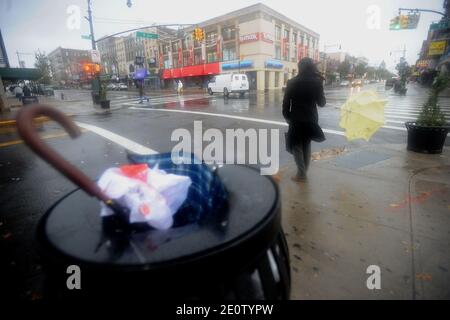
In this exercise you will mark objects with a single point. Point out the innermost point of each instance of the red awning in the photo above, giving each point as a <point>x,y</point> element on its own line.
<point>192,71</point>
<point>167,74</point>
<point>176,73</point>
<point>212,68</point>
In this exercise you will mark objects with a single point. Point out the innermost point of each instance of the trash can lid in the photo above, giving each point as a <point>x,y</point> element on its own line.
<point>72,228</point>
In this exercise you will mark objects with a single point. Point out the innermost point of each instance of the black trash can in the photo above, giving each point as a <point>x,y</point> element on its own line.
<point>240,254</point>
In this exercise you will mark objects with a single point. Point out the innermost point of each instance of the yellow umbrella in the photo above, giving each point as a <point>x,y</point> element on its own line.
<point>362,115</point>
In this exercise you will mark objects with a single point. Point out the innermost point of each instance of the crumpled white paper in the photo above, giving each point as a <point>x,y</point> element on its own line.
<point>154,200</point>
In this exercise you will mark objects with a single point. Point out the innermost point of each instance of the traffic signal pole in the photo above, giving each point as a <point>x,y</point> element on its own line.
<point>91,27</point>
<point>420,10</point>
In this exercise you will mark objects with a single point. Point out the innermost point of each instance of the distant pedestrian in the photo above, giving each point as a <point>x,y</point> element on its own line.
<point>180,87</point>
<point>26,91</point>
<point>18,92</point>
<point>303,93</point>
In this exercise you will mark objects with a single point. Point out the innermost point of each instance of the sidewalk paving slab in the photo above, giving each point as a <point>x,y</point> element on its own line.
<point>393,213</point>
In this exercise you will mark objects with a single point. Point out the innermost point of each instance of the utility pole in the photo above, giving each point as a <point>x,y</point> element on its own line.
<point>91,27</point>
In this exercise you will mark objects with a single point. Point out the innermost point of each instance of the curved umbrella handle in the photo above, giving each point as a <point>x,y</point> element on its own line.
<point>33,140</point>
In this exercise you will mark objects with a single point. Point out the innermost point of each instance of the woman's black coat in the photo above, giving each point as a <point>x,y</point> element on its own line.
<point>300,102</point>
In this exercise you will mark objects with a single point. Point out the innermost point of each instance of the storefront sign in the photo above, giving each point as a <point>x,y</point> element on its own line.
<point>249,37</point>
<point>436,48</point>
<point>443,24</point>
<point>267,37</point>
<point>423,64</point>
<point>273,64</point>
<point>244,64</point>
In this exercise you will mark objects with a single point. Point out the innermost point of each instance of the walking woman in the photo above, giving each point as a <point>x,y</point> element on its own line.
<point>303,93</point>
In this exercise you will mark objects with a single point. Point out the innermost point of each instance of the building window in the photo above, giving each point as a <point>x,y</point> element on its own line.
<point>286,51</point>
<point>228,33</point>
<point>286,34</point>
<point>211,56</point>
<point>278,52</point>
<point>302,39</point>
<point>277,33</point>
<point>211,36</point>
<point>229,53</point>
<point>198,58</point>
<point>294,38</point>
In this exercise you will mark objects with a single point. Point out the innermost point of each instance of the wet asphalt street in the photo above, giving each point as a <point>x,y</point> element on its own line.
<point>29,186</point>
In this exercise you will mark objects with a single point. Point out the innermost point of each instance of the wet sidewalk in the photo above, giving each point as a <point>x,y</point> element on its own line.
<point>379,205</point>
<point>68,107</point>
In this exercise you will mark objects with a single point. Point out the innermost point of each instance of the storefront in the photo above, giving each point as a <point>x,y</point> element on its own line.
<point>191,76</point>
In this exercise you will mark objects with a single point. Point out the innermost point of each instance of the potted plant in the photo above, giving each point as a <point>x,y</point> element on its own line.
<point>104,102</point>
<point>428,133</point>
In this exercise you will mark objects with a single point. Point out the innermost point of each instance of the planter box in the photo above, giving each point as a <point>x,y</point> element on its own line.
<point>104,104</point>
<point>426,139</point>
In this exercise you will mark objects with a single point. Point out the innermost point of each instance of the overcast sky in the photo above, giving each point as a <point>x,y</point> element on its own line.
<point>29,25</point>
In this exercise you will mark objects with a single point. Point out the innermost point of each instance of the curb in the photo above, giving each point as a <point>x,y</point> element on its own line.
<point>12,122</point>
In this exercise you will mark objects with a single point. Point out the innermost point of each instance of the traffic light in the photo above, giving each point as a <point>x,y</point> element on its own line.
<point>413,20</point>
<point>91,68</point>
<point>395,23</point>
<point>97,68</point>
<point>404,21</point>
<point>87,68</point>
<point>198,34</point>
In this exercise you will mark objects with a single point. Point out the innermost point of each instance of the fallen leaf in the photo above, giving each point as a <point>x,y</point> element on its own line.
<point>424,276</point>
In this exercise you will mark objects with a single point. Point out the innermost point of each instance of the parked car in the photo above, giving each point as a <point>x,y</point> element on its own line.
<point>229,83</point>
<point>344,83</point>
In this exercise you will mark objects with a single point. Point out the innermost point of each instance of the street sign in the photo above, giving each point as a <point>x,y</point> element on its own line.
<point>146,35</point>
<point>436,48</point>
<point>88,37</point>
<point>95,56</point>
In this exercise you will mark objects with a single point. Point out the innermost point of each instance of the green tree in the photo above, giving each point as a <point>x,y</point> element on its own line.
<point>344,69</point>
<point>43,65</point>
<point>382,72</point>
<point>360,69</point>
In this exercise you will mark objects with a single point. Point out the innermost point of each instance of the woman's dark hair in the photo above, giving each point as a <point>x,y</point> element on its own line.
<point>308,69</point>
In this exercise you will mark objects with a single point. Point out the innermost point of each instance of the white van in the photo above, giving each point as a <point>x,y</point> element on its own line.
<point>229,83</point>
